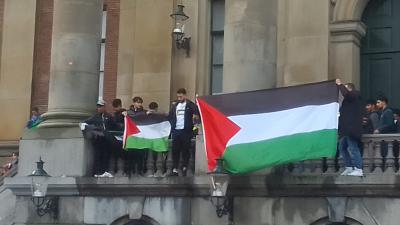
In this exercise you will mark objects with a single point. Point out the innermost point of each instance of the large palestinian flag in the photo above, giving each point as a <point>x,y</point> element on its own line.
<point>146,132</point>
<point>258,129</point>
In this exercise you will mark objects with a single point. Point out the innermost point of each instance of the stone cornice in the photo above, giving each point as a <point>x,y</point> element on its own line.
<point>250,186</point>
<point>347,31</point>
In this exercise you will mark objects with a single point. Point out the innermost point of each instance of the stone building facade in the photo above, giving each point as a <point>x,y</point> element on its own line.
<point>61,55</point>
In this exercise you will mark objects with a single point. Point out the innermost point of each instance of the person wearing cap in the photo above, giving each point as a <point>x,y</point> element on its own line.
<point>101,122</point>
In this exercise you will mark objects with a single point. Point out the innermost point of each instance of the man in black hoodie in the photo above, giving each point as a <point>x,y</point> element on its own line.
<point>181,116</point>
<point>350,129</point>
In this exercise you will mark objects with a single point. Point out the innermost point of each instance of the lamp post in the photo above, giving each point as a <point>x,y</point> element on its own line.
<point>43,203</point>
<point>178,32</point>
<point>219,180</point>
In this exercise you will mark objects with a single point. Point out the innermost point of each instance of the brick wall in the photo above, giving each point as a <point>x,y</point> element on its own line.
<point>42,54</point>
<point>111,53</point>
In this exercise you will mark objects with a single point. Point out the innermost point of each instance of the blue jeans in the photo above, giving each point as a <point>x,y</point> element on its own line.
<point>350,152</point>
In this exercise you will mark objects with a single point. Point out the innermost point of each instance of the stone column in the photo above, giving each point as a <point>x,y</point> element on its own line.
<point>250,40</point>
<point>344,54</point>
<point>75,55</point>
<point>73,93</point>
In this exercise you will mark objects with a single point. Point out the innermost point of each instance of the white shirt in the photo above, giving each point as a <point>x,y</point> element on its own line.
<point>180,115</point>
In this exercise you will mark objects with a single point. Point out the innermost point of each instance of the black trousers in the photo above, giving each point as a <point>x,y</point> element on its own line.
<point>102,155</point>
<point>116,151</point>
<point>181,145</point>
<point>134,161</point>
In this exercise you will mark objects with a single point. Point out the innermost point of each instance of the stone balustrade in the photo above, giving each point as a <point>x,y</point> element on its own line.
<point>156,164</point>
<point>380,155</point>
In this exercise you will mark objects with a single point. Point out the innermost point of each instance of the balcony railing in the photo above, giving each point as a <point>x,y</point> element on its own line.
<point>156,164</point>
<point>380,155</point>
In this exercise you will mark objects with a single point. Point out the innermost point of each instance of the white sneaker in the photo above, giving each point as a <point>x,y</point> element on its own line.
<point>347,171</point>
<point>101,175</point>
<point>356,172</point>
<point>107,174</point>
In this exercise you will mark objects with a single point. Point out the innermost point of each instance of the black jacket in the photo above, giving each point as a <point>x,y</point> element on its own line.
<point>371,123</point>
<point>386,122</point>
<point>350,120</point>
<point>102,121</point>
<point>136,112</point>
<point>119,119</point>
<point>190,111</point>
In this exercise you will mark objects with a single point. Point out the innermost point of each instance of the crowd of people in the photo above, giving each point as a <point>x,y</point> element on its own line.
<point>377,118</point>
<point>103,128</point>
<point>356,118</point>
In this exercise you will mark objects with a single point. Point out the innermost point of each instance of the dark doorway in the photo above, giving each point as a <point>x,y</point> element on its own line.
<point>380,51</point>
<point>145,220</point>
<point>138,222</point>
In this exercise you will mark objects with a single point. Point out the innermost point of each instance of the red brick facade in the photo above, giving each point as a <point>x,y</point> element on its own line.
<point>111,54</point>
<point>42,52</point>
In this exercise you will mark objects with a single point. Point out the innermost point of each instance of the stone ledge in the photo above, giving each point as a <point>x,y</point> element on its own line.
<point>8,147</point>
<point>250,186</point>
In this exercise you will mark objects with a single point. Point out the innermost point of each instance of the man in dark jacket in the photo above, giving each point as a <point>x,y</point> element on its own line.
<point>181,117</point>
<point>371,119</point>
<point>118,114</point>
<point>350,129</point>
<point>386,120</point>
<point>119,120</point>
<point>101,122</point>
<point>135,158</point>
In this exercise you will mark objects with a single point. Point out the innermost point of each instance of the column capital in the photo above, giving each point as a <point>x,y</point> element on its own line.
<point>347,31</point>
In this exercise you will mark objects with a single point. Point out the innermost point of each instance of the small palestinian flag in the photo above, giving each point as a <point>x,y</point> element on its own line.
<point>146,132</point>
<point>259,129</point>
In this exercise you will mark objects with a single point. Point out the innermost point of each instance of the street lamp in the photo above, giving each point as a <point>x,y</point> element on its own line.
<point>43,203</point>
<point>178,32</point>
<point>218,187</point>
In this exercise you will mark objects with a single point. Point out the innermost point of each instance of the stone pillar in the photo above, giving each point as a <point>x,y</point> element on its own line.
<point>74,78</point>
<point>75,55</point>
<point>250,40</point>
<point>344,54</point>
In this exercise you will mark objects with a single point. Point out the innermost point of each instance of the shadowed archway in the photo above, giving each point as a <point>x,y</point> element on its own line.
<point>325,221</point>
<point>144,220</point>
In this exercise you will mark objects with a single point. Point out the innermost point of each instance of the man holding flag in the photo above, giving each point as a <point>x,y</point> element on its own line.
<point>270,127</point>
<point>350,129</point>
<point>147,131</point>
